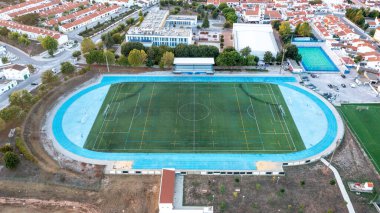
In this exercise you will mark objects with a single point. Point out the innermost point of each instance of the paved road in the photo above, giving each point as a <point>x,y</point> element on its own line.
<point>43,64</point>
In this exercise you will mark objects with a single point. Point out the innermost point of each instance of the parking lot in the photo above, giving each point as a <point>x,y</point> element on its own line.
<point>339,90</point>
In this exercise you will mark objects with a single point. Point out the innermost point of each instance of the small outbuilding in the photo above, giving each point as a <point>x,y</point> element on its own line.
<point>194,65</point>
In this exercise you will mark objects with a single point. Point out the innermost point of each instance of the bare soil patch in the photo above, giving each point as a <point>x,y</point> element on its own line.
<point>267,193</point>
<point>133,194</point>
<point>353,165</point>
<point>33,49</point>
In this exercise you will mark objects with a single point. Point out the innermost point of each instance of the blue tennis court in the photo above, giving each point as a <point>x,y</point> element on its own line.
<point>315,59</point>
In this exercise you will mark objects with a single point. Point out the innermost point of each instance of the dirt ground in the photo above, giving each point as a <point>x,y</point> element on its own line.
<point>33,49</point>
<point>264,193</point>
<point>353,165</point>
<point>228,42</point>
<point>133,194</point>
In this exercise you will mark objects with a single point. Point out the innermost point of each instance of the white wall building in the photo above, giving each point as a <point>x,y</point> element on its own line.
<point>18,7</point>
<point>167,203</point>
<point>103,13</point>
<point>6,85</point>
<point>121,3</point>
<point>259,37</point>
<point>181,21</point>
<point>33,32</point>
<point>152,31</point>
<point>16,72</point>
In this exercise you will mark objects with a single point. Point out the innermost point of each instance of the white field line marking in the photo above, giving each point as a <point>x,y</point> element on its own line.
<point>241,118</point>
<point>104,119</point>
<point>147,116</point>
<point>130,124</point>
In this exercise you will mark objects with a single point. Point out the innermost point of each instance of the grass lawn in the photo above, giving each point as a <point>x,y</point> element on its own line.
<point>196,118</point>
<point>363,120</point>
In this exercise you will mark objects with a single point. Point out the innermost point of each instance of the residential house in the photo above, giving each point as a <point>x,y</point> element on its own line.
<point>16,72</point>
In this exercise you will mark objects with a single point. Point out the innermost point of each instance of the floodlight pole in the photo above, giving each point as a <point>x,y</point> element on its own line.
<point>108,69</point>
<point>282,60</point>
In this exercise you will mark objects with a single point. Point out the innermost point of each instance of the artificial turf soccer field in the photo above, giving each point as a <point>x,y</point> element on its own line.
<point>363,120</point>
<point>194,118</point>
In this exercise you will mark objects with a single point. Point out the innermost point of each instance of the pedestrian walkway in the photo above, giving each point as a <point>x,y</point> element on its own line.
<point>343,190</point>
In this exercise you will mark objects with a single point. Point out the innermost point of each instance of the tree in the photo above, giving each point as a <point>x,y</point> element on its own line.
<point>67,68</point>
<point>108,40</point>
<point>2,124</point>
<point>285,29</point>
<point>245,51</point>
<point>87,45</point>
<point>122,61</point>
<point>222,6</point>
<point>229,58</point>
<point>50,44</point>
<point>13,35</point>
<point>215,13</point>
<point>109,57</point>
<point>4,31</point>
<point>117,38</point>
<point>12,113</point>
<point>296,30</point>
<point>292,52</point>
<point>129,46</point>
<point>358,58</point>
<point>31,68</point>
<point>48,77</point>
<point>206,23</point>
<point>167,59</point>
<point>6,147</point>
<point>137,57</point>
<point>21,98</point>
<point>11,160</point>
<point>130,21</point>
<point>251,60</point>
<point>276,24</point>
<point>31,19</point>
<point>372,32</point>
<point>304,30</point>
<point>4,60</point>
<point>268,57</point>
<point>76,54</point>
<point>95,56</point>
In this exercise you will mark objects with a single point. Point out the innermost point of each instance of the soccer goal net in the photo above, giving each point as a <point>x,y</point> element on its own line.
<point>361,108</point>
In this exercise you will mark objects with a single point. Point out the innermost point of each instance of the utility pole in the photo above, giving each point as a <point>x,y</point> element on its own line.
<point>282,60</point>
<point>104,51</point>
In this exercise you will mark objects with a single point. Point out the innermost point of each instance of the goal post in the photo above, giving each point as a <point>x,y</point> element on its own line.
<point>361,108</point>
<point>105,112</point>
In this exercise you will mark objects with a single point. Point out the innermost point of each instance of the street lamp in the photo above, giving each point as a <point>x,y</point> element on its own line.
<point>282,60</point>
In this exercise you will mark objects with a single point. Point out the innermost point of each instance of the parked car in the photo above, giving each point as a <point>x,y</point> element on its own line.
<point>34,84</point>
<point>343,85</point>
<point>343,76</point>
<point>330,86</point>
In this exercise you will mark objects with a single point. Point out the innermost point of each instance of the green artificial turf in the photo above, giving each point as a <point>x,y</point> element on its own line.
<point>363,120</point>
<point>194,117</point>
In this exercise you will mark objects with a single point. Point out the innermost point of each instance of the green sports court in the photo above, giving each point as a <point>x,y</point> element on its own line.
<point>194,118</point>
<point>363,120</point>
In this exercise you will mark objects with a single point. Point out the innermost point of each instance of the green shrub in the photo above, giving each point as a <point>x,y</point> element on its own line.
<point>332,182</point>
<point>6,148</point>
<point>21,146</point>
<point>11,160</point>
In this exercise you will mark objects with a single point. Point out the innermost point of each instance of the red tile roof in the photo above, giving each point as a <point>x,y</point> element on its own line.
<point>62,8</point>
<point>167,186</point>
<point>34,9</point>
<point>91,16</point>
<point>19,6</point>
<point>26,28</point>
<point>75,15</point>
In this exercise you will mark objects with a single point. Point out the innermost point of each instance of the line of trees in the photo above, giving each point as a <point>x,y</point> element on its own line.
<point>357,16</point>
<point>15,36</point>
